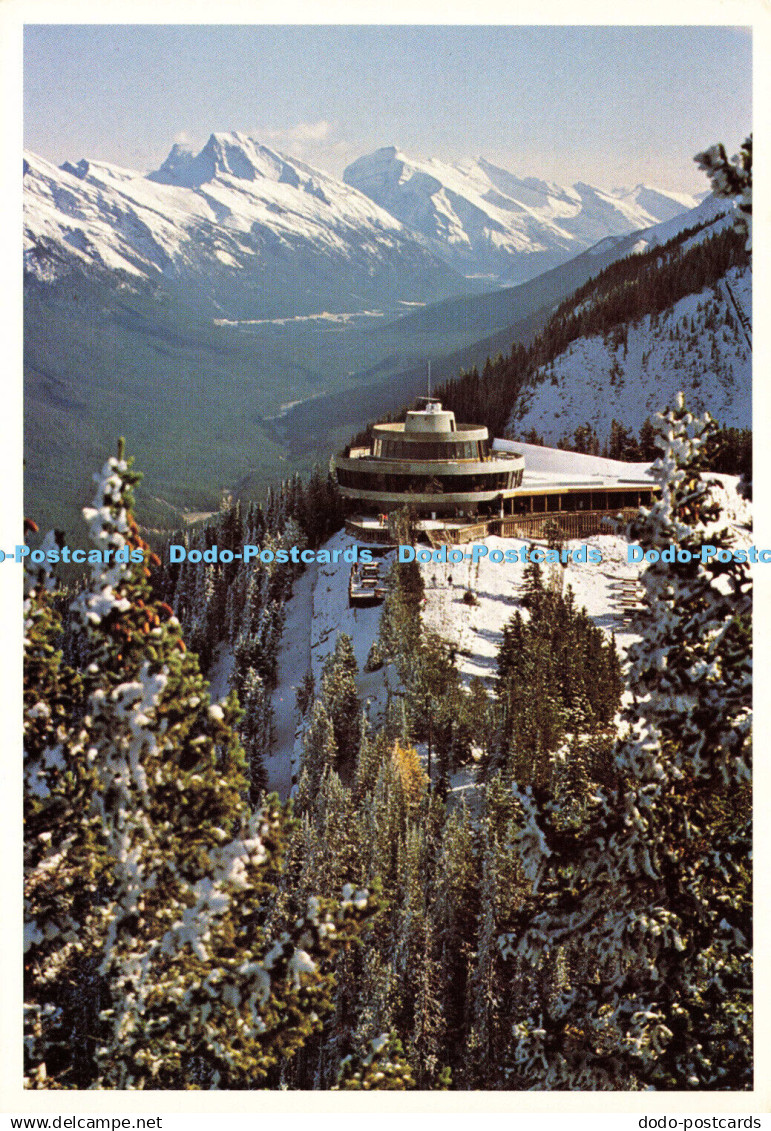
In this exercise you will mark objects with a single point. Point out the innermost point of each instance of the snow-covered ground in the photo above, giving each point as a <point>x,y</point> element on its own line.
<point>476,630</point>
<point>557,465</point>
<point>318,611</point>
<point>697,347</point>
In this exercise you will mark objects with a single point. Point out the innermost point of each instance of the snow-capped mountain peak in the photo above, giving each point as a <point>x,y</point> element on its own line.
<point>237,208</point>
<point>661,202</point>
<point>486,220</point>
<point>225,155</point>
<point>172,171</point>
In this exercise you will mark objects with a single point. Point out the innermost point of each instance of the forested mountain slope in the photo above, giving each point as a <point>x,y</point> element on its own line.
<point>698,346</point>
<point>684,286</point>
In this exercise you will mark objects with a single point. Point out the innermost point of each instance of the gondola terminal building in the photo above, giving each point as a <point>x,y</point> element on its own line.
<point>451,474</point>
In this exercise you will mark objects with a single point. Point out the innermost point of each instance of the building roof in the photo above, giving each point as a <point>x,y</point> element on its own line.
<point>552,467</point>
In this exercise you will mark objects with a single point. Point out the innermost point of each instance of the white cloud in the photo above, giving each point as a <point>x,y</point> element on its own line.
<point>311,131</point>
<point>314,142</point>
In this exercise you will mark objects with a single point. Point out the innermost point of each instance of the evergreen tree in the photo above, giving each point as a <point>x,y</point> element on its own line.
<point>434,701</point>
<point>305,693</point>
<point>454,911</point>
<point>651,895</point>
<point>533,586</point>
<point>647,444</point>
<point>256,732</point>
<point>622,444</point>
<point>382,1068</point>
<point>341,699</point>
<point>400,622</point>
<point>371,754</point>
<point>319,754</point>
<point>178,982</point>
<point>427,1030</point>
<point>732,180</point>
<point>481,1064</point>
<point>60,885</point>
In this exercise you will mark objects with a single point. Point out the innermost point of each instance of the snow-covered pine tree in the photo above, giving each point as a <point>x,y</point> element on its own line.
<point>340,697</point>
<point>481,1068</point>
<point>319,755</point>
<point>305,693</point>
<point>376,995</point>
<point>64,858</point>
<point>400,622</point>
<point>178,984</point>
<point>492,997</point>
<point>454,911</point>
<point>381,820</point>
<point>732,179</point>
<point>434,702</point>
<point>256,731</point>
<point>334,818</point>
<point>382,1068</point>
<point>651,898</point>
<point>374,750</point>
<point>427,1032</point>
<point>532,585</point>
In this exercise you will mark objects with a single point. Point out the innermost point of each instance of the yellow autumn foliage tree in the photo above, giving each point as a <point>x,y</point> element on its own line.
<point>413,777</point>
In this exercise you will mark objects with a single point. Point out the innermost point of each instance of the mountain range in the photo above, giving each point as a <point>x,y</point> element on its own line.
<point>236,229</point>
<point>254,232</point>
<point>484,221</point>
<point>189,309</point>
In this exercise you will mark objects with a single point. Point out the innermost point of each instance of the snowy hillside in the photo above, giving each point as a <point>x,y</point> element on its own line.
<point>236,211</point>
<point>485,221</point>
<point>711,215</point>
<point>698,347</point>
<point>318,610</point>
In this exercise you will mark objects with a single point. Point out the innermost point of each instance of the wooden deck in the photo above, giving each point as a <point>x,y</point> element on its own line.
<point>571,524</point>
<point>379,535</point>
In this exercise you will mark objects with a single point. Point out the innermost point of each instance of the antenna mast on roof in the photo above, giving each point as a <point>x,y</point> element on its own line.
<point>429,380</point>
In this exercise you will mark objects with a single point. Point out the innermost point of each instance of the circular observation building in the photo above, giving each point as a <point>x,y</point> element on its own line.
<point>437,467</point>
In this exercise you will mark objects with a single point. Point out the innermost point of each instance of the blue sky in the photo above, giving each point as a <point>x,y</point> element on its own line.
<point>610,105</point>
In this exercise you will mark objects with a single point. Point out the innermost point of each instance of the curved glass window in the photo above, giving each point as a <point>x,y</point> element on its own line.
<point>426,484</point>
<point>428,450</point>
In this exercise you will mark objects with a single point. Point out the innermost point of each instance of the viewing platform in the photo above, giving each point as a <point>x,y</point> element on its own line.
<point>459,485</point>
<point>430,463</point>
